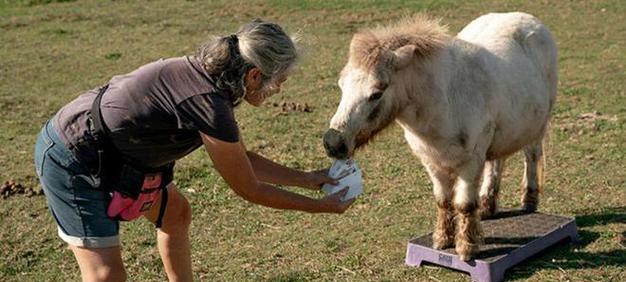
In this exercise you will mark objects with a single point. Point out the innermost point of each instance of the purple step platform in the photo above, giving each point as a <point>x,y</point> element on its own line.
<point>509,238</point>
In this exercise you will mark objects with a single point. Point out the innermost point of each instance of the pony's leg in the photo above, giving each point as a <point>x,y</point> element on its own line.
<point>443,236</point>
<point>490,187</point>
<point>533,174</point>
<point>468,231</point>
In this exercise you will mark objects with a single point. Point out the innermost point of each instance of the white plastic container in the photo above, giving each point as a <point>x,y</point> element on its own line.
<point>348,174</point>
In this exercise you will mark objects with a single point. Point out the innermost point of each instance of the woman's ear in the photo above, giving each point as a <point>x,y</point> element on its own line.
<point>254,79</point>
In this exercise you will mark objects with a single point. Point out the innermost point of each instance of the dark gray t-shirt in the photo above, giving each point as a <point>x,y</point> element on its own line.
<point>154,113</point>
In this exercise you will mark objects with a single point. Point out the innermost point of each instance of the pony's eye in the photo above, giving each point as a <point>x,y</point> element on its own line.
<point>375,96</point>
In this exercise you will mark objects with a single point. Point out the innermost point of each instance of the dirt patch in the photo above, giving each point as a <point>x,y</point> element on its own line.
<point>288,107</point>
<point>621,239</point>
<point>587,122</point>
<point>10,188</point>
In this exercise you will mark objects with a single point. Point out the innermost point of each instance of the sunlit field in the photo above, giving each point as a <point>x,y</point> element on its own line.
<point>51,51</point>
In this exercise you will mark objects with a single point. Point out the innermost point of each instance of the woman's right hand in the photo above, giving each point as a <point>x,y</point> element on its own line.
<point>333,203</point>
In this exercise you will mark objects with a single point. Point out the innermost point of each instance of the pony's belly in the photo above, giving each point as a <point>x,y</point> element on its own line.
<point>499,152</point>
<point>520,126</point>
<point>444,154</point>
<point>506,143</point>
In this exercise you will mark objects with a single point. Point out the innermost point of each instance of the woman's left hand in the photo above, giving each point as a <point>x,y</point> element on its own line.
<point>314,180</point>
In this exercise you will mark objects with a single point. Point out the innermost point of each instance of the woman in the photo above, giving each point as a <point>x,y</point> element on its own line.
<point>148,119</point>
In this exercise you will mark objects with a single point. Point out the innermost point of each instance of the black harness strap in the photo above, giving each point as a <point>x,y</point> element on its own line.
<point>159,221</point>
<point>100,133</point>
<point>100,129</point>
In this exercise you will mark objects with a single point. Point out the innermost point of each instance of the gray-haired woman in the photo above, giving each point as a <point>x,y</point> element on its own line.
<point>108,155</point>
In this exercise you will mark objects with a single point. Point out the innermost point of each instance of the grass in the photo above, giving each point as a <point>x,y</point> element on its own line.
<point>53,50</point>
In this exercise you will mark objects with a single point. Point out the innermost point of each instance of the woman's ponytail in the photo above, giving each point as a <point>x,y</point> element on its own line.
<point>258,44</point>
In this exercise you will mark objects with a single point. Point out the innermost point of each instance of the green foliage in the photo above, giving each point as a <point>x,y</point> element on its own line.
<point>113,56</point>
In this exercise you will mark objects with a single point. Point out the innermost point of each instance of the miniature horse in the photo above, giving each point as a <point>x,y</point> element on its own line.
<point>465,103</point>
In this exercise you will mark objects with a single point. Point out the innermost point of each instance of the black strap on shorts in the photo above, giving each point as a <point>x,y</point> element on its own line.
<point>159,221</point>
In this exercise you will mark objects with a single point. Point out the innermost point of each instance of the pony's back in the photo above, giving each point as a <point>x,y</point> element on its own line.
<point>501,33</point>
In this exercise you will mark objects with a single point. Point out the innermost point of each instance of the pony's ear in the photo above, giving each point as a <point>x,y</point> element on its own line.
<point>403,56</point>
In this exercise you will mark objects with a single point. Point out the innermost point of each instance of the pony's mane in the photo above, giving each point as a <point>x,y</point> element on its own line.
<point>427,34</point>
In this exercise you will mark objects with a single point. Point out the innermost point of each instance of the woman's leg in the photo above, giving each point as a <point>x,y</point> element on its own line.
<point>173,236</point>
<point>100,264</point>
<point>79,209</point>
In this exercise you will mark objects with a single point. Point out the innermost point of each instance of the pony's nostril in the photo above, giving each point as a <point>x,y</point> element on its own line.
<point>334,144</point>
<point>342,149</point>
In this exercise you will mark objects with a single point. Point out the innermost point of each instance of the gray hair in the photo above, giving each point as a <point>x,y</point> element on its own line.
<point>258,44</point>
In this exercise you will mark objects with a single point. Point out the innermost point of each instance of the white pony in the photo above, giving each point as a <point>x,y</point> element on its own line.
<point>465,103</point>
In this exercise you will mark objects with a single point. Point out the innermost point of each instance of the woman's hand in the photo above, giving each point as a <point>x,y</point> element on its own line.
<point>333,204</point>
<point>314,180</point>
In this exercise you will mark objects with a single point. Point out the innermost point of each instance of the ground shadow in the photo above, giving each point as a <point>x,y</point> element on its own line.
<point>563,256</point>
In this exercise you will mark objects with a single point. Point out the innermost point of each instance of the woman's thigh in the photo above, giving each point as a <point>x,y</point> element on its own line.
<point>177,210</point>
<point>78,208</point>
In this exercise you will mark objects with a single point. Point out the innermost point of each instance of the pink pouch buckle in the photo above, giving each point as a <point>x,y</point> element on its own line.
<point>126,208</point>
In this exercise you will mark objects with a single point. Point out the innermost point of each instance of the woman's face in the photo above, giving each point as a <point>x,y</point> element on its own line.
<point>257,91</point>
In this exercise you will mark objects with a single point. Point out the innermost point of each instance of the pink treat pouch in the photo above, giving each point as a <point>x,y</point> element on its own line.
<point>126,208</point>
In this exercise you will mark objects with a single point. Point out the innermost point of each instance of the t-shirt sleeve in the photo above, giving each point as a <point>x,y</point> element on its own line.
<point>211,114</point>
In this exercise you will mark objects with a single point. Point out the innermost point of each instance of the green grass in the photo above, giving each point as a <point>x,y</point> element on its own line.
<point>53,50</point>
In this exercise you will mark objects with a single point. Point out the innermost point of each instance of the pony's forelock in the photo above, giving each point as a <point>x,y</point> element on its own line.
<point>369,46</point>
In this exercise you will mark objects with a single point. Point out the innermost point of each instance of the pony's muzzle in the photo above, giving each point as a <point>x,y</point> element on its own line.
<point>335,144</point>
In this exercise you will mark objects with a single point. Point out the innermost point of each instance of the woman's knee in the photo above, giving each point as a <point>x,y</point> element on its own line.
<point>185,212</point>
<point>100,264</point>
<point>109,274</point>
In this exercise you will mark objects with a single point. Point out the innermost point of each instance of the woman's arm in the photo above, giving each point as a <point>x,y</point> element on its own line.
<point>271,172</point>
<point>231,161</point>
<point>268,171</point>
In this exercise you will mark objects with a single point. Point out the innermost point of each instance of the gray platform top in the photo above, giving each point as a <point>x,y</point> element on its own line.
<point>508,231</point>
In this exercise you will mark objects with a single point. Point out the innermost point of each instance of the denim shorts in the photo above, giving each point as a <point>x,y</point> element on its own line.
<point>79,209</point>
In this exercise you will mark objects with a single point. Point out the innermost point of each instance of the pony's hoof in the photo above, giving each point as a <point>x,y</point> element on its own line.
<point>441,242</point>
<point>465,257</point>
<point>485,213</point>
<point>529,207</point>
<point>441,245</point>
<point>466,251</point>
